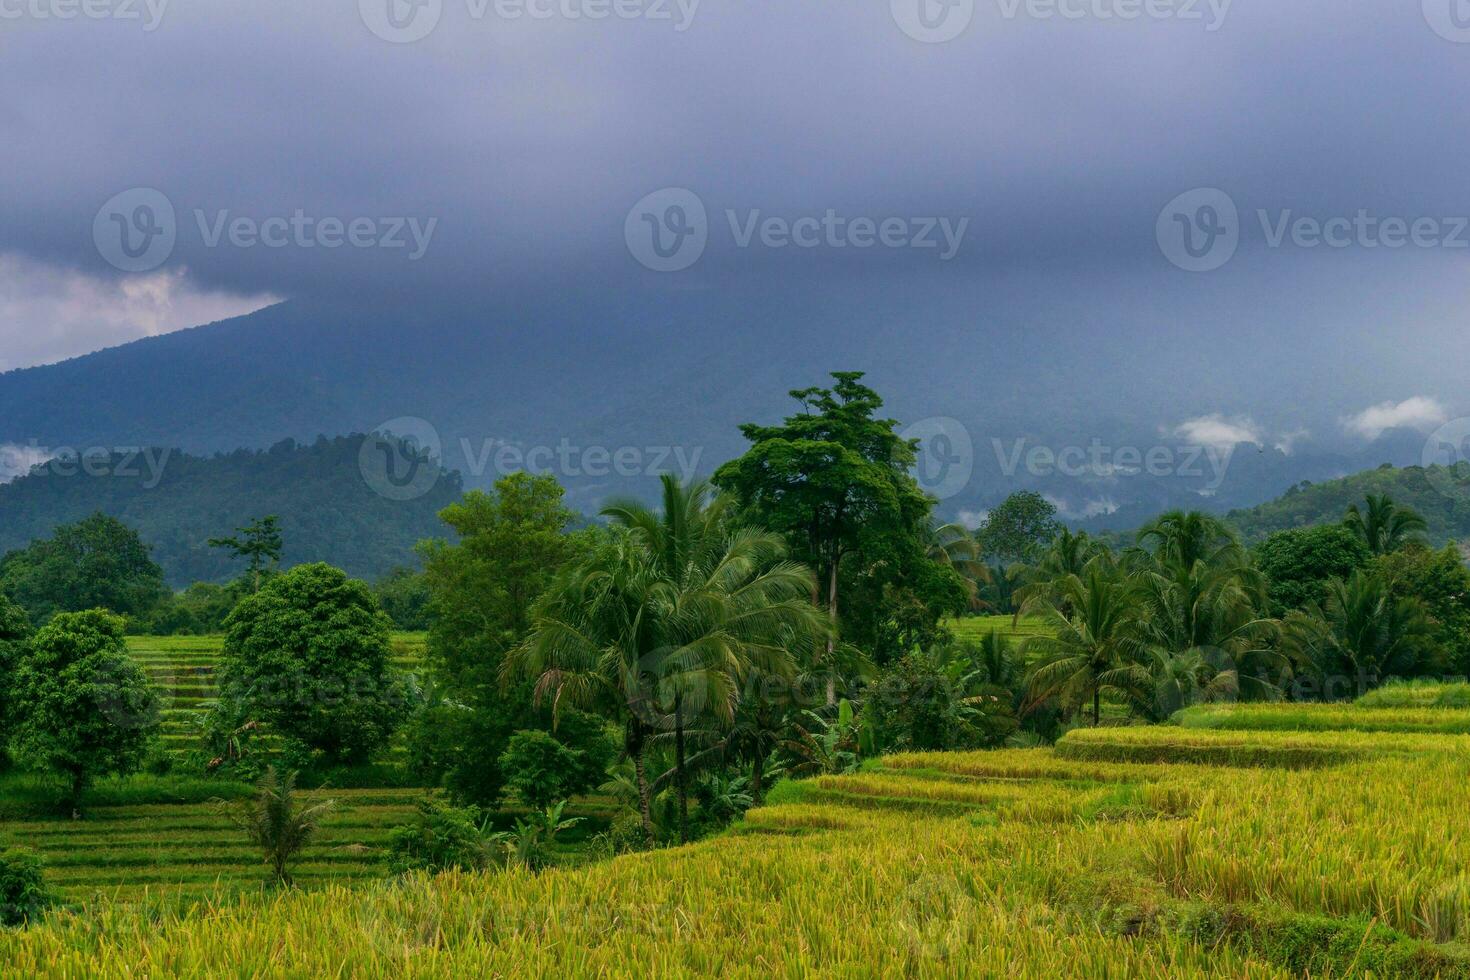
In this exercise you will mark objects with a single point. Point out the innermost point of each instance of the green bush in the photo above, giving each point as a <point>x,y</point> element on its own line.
<point>23,892</point>
<point>541,770</point>
<point>440,838</point>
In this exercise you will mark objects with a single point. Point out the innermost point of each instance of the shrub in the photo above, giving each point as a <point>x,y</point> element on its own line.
<point>440,838</point>
<point>23,892</point>
<point>541,770</point>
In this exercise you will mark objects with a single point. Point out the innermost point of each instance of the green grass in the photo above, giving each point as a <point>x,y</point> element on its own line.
<point>1417,694</point>
<point>976,627</point>
<point>1324,718</point>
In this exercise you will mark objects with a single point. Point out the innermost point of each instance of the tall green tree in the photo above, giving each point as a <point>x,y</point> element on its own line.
<point>1093,647</point>
<point>1360,632</point>
<point>1181,538</point>
<point>1018,527</point>
<point>85,708</point>
<point>510,544</point>
<point>1384,527</point>
<point>666,620</point>
<point>836,481</point>
<point>97,563</point>
<point>258,542</point>
<point>15,632</point>
<point>309,655</point>
<point>1299,562</point>
<point>1441,581</point>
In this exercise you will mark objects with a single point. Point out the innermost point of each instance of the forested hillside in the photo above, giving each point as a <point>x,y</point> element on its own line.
<point>177,502</point>
<point>1440,495</point>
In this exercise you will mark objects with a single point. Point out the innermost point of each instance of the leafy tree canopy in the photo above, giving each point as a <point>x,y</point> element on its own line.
<point>96,563</point>
<point>1019,527</point>
<point>309,655</point>
<point>1298,563</point>
<point>85,708</point>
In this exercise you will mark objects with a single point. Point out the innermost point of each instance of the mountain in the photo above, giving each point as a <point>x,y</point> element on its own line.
<point>608,385</point>
<point>1441,496</point>
<point>326,494</point>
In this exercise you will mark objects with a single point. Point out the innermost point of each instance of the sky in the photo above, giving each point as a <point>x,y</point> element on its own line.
<point>1280,177</point>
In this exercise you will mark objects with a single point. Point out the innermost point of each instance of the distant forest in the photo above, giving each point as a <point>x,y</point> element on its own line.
<point>327,509</point>
<point>1440,495</point>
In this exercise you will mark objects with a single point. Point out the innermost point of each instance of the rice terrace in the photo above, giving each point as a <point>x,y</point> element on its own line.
<point>686,489</point>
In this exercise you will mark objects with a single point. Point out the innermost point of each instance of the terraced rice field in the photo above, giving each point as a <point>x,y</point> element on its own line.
<point>182,669</point>
<point>185,851</point>
<point>975,627</point>
<point>1163,852</point>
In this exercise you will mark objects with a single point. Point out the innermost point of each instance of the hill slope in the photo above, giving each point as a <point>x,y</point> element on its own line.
<point>177,502</point>
<point>676,370</point>
<point>1435,493</point>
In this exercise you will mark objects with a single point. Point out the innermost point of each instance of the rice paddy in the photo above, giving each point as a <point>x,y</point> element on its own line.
<point>1236,844</point>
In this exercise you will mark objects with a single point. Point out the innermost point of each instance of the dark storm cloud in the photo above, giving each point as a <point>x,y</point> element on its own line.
<point>1057,131</point>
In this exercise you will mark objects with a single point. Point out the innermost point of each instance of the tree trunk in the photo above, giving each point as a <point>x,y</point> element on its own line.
<point>832,635</point>
<point>644,806</point>
<point>757,786</point>
<point>78,787</point>
<point>680,774</point>
<point>1096,708</point>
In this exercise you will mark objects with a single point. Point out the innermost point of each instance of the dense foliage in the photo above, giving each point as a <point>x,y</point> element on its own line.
<point>309,656</point>
<point>84,707</point>
<point>177,503</point>
<point>96,563</point>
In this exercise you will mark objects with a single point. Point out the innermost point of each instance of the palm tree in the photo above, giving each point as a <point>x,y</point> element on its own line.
<point>664,622</point>
<point>955,546</point>
<point>1362,627</point>
<point>1181,538</point>
<point>1068,554</point>
<point>1386,527</point>
<point>1093,647</point>
<point>277,821</point>
<point>1201,625</point>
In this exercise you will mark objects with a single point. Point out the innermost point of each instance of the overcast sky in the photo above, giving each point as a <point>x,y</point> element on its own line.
<point>1052,138</point>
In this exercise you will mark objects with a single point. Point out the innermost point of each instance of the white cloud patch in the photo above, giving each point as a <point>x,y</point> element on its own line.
<point>49,314</point>
<point>17,460</point>
<point>1420,412</point>
<point>1217,431</point>
<point>1286,441</point>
